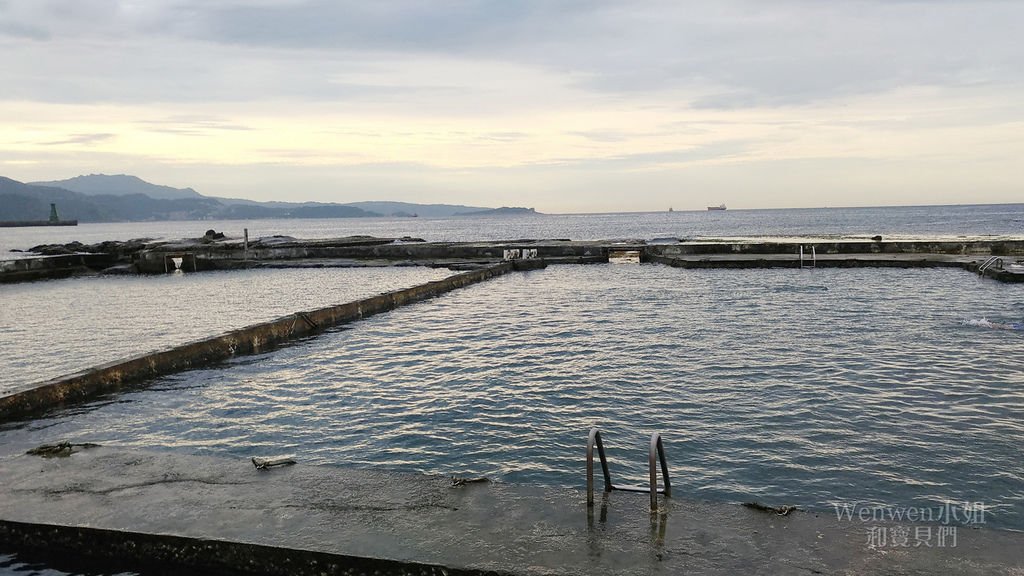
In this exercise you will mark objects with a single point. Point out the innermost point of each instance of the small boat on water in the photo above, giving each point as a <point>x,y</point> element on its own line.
<point>719,207</point>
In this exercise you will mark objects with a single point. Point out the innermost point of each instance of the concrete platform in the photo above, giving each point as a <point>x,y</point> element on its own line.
<point>223,514</point>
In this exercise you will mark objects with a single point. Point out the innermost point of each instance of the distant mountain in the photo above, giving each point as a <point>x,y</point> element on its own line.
<point>119,185</point>
<point>19,201</point>
<point>503,211</point>
<point>102,198</point>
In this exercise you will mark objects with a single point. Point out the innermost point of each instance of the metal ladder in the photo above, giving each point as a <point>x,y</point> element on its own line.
<point>993,261</point>
<point>814,257</point>
<point>657,448</point>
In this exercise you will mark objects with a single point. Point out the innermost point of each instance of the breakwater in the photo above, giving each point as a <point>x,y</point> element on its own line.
<point>231,254</point>
<point>26,223</point>
<point>249,340</point>
<point>53,267</point>
<point>144,257</point>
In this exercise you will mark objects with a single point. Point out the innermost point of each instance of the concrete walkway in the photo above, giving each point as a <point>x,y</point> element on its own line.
<point>318,520</point>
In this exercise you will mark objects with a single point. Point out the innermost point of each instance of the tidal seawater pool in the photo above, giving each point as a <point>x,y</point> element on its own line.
<point>806,387</point>
<point>57,327</point>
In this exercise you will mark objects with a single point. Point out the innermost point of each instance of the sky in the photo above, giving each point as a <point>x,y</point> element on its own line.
<point>564,106</point>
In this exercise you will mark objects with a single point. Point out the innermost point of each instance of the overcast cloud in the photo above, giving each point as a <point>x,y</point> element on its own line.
<point>570,105</point>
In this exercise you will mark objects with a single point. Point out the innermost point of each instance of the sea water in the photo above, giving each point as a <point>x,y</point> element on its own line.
<point>56,327</point>
<point>813,388</point>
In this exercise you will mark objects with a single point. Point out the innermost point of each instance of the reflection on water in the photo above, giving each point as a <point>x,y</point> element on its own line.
<point>48,329</point>
<point>783,386</point>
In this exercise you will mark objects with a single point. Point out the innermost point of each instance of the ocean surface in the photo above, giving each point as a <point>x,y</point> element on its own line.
<point>866,387</point>
<point>812,388</point>
<point>972,221</point>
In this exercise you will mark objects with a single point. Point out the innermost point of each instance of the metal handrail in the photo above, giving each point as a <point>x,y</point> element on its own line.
<point>990,262</point>
<point>656,454</point>
<point>814,257</point>
<point>595,438</point>
<point>657,446</point>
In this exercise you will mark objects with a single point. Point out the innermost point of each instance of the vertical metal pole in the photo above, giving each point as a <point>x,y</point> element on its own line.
<point>657,447</point>
<point>664,468</point>
<point>245,244</point>
<point>592,440</point>
<point>814,255</point>
<point>590,467</point>
<point>801,255</point>
<point>654,471</point>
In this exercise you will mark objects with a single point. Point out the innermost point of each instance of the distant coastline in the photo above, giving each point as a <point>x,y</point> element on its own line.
<point>503,211</point>
<point>98,198</point>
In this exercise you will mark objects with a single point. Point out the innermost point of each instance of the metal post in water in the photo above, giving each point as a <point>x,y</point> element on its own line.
<point>594,439</point>
<point>245,243</point>
<point>814,256</point>
<point>801,255</point>
<point>655,456</point>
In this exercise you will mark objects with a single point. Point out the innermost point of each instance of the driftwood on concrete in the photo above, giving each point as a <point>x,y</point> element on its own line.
<point>59,450</point>
<point>268,463</point>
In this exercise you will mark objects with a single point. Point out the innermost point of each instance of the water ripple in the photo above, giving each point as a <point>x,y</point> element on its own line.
<point>778,385</point>
<point>52,328</point>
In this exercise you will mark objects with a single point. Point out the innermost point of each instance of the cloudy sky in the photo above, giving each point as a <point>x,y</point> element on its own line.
<point>566,106</point>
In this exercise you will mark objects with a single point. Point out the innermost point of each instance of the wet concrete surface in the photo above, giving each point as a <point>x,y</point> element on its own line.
<point>201,511</point>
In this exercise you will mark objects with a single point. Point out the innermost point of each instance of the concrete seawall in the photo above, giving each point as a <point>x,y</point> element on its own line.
<point>230,255</point>
<point>137,256</point>
<point>51,267</point>
<point>995,268</point>
<point>220,256</point>
<point>249,340</point>
<point>898,260</point>
<point>922,247</point>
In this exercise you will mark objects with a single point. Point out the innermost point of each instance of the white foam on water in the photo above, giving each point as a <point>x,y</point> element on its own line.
<point>986,323</point>
<point>982,322</point>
